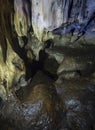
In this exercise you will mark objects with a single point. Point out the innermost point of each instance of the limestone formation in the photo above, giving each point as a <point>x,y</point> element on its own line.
<point>78,96</point>
<point>22,16</point>
<point>47,64</point>
<point>11,70</point>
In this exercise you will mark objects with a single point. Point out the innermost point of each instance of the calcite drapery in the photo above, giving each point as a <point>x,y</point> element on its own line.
<point>11,64</point>
<point>44,18</point>
<point>22,16</point>
<point>10,72</point>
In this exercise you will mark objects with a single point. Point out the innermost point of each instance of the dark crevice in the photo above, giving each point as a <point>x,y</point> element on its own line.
<point>39,66</point>
<point>1,103</point>
<point>49,43</point>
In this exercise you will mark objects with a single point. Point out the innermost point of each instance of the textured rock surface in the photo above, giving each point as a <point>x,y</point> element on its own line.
<point>11,71</point>
<point>39,108</point>
<point>70,16</point>
<point>78,97</point>
<point>47,64</point>
<point>46,18</point>
<point>22,16</point>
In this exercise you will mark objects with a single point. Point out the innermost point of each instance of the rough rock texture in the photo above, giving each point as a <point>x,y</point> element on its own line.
<point>60,16</point>
<point>39,107</point>
<point>78,96</point>
<point>47,65</point>
<point>22,16</point>
<point>11,71</point>
<point>46,18</point>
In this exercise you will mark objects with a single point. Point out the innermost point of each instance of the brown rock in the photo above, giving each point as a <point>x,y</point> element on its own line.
<point>39,109</point>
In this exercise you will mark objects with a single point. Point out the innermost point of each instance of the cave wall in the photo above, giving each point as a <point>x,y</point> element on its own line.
<point>25,25</point>
<point>47,64</point>
<point>47,16</point>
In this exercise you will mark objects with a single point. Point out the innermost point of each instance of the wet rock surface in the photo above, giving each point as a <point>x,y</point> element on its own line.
<point>78,96</point>
<point>39,108</point>
<point>47,65</point>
